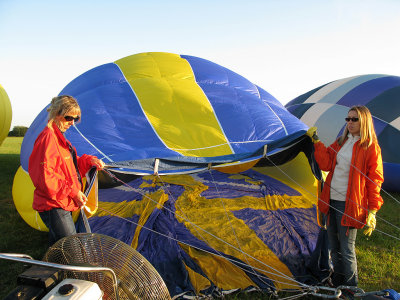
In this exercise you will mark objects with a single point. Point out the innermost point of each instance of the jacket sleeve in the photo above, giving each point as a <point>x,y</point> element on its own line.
<point>84,163</point>
<point>374,178</point>
<point>324,156</point>
<point>44,170</point>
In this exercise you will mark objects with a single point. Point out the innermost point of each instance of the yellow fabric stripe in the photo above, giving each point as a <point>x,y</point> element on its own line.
<point>296,174</point>
<point>236,167</point>
<point>142,208</point>
<point>158,197</point>
<point>175,105</point>
<point>211,215</point>
<point>222,272</point>
<point>199,281</point>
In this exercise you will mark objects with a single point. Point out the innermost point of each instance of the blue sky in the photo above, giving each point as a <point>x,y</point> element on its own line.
<point>286,47</point>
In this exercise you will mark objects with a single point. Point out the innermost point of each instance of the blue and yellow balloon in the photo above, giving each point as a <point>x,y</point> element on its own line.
<point>192,116</point>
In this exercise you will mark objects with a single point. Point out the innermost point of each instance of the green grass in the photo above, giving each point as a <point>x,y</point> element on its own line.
<point>378,256</point>
<point>16,235</point>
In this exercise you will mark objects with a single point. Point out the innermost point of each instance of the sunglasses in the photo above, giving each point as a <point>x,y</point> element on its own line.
<point>351,119</point>
<point>69,119</point>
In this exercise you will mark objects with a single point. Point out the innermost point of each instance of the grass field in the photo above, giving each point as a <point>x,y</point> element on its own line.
<point>16,235</point>
<point>378,256</point>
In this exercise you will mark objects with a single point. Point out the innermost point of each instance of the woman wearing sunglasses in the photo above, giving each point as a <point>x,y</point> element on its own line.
<point>351,193</point>
<point>56,170</point>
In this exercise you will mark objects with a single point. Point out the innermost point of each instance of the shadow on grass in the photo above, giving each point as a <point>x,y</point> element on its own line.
<point>16,235</point>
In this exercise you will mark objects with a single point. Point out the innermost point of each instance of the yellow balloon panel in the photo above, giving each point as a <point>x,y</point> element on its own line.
<point>22,192</point>
<point>5,114</point>
<point>297,174</point>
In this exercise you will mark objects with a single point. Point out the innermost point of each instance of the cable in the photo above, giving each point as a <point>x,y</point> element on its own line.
<point>237,263</point>
<point>288,176</point>
<point>246,254</point>
<point>282,274</point>
<point>203,238</point>
<point>229,220</point>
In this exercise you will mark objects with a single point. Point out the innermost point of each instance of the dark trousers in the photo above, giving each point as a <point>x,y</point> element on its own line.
<point>342,242</point>
<point>59,222</point>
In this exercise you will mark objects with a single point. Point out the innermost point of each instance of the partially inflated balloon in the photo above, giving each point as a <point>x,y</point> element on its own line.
<point>5,114</point>
<point>22,191</point>
<point>214,136</point>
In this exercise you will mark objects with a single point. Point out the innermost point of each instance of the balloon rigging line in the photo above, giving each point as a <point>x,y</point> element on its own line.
<point>204,239</point>
<point>339,210</point>
<point>295,296</point>
<point>293,180</point>
<point>283,275</point>
<point>283,125</point>
<point>218,253</point>
<point>337,153</point>
<point>229,220</point>
<point>219,145</point>
<point>359,205</point>
<point>144,195</point>
<point>246,254</point>
<point>91,144</point>
<point>236,263</point>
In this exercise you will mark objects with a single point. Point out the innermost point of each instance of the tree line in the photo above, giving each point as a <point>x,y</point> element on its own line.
<point>18,131</point>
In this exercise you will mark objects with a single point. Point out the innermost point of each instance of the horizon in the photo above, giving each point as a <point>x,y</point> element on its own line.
<point>287,48</point>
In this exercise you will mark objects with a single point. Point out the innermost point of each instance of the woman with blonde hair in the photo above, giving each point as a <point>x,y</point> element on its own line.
<point>56,170</point>
<point>351,193</point>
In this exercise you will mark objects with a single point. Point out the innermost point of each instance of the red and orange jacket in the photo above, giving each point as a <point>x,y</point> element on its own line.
<point>365,180</point>
<point>53,172</point>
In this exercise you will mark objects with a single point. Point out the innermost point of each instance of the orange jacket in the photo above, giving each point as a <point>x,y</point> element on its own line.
<point>362,194</point>
<point>53,172</point>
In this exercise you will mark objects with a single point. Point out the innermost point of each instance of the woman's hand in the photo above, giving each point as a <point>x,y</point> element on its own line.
<point>80,199</point>
<point>312,133</point>
<point>98,163</point>
<point>371,222</point>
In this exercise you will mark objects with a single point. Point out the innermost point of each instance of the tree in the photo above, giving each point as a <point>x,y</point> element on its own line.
<point>18,131</point>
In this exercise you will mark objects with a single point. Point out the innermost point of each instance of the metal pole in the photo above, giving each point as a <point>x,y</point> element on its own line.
<point>22,258</point>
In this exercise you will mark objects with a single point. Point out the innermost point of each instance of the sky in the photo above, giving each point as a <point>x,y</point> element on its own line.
<point>287,47</point>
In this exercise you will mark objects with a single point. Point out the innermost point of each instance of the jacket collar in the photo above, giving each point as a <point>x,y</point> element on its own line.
<point>60,135</point>
<point>351,137</point>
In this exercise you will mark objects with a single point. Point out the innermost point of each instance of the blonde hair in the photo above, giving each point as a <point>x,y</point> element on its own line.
<point>62,105</point>
<point>367,129</point>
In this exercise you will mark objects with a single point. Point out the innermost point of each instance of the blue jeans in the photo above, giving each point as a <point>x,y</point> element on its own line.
<point>59,222</point>
<point>342,242</point>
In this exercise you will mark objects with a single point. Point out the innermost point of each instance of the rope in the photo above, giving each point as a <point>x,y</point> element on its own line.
<point>359,205</point>
<point>230,223</point>
<point>282,275</point>
<point>246,254</point>
<point>298,184</point>
<point>237,263</point>
<point>240,250</point>
<point>337,153</point>
<point>204,239</point>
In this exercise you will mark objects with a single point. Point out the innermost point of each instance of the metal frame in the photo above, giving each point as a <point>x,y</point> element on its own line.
<point>23,258</point>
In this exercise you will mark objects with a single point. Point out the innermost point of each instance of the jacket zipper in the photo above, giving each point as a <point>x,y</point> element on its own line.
<point>352,163</point>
